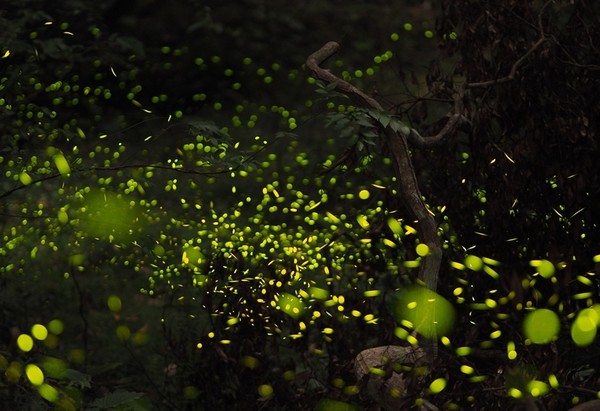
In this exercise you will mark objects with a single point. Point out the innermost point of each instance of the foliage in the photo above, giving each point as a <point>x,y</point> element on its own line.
<point>177,234</point>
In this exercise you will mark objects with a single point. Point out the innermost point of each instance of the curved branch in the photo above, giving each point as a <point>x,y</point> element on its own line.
<point>314,66</point>
<point>403,168</point>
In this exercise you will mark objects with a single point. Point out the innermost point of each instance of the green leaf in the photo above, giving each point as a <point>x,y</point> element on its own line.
<point>385,120</point>
<point>78,378</point>
<point>400,127</point>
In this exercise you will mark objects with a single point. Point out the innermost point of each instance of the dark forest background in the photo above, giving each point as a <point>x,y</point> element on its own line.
<point>189,221</point>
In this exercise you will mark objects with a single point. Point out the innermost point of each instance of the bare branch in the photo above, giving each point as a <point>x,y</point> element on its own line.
<point>517,64</point>
<point>404,170</point>
<point>449,128</point>
<point>314,62</point>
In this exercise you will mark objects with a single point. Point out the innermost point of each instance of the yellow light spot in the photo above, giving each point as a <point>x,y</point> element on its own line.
<point>56,327</point>
<point>491,272</point>
<point>411,263</point>
<point>265,390</point>
<point>250,361</point>
<point>395,226</point>
<point>463,351</point>
<point>474,263</point>
<point>291,305</point>
<point>582,296</point>
<point>510,350</point>
<point>114,303</point>
<point>465,369</point>
<point>541,326</point>
<point>39,332</point>
<point>25,178</point>
<point>123,332</point>
<point>537,388</point>
<point>437,385</point>
<point>515,393</point>
<point>422,250</point>
<point>34,374</point>
<point>25,342</point>
<point>584,328</point>
<point>63,217</point>
<point>432,315</point>
<point>362,221</point>
<point>389,243</point>
<point>48,392</point>
<point>544,267</point>
<point>318,293</point>
<point>364,194</point>
<point>490,261</point>
<point>457,265</point>
<point>401,333</point>
<point>61,164</point>
<point>376,371</point>
<point>495,334</point>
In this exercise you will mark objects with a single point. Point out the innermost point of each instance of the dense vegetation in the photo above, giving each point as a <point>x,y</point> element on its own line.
<point>190,221</point>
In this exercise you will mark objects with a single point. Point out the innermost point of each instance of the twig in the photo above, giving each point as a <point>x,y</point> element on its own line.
<point>513,70</point>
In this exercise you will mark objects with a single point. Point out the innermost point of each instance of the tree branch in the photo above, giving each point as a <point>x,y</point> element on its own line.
<point>403,168</point>
<point>515,67</point>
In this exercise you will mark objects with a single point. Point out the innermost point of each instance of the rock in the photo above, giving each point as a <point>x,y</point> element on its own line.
<point>374,370</point>
<point>593,405</point>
